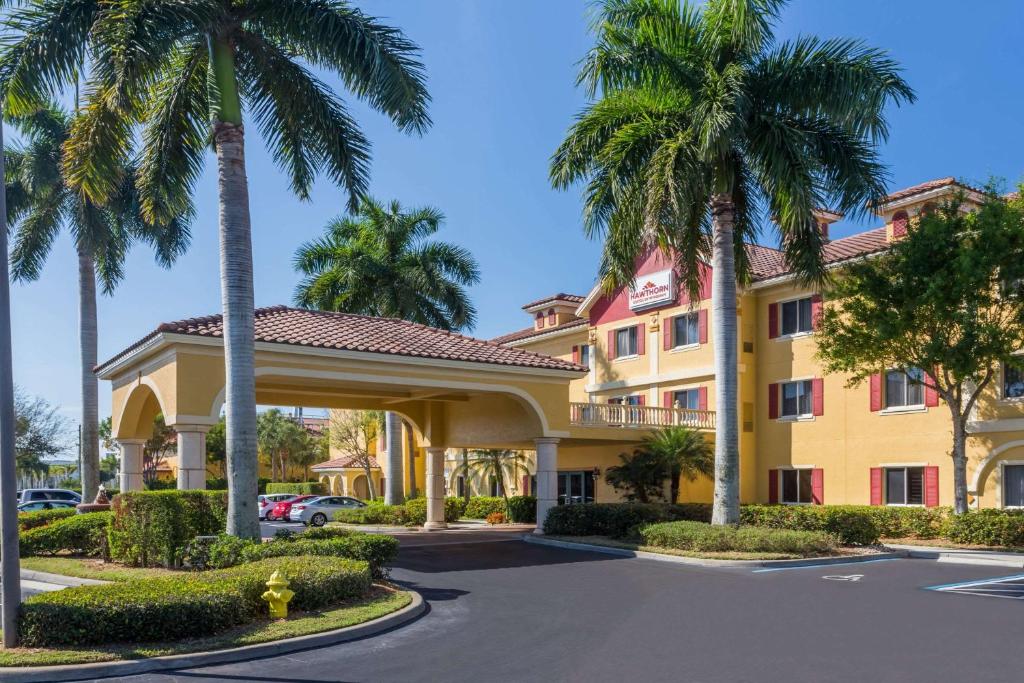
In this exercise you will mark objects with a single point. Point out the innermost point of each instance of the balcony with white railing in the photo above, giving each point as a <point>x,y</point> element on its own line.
<point>638,417</point>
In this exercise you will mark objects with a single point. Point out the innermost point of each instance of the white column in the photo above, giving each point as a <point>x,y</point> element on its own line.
<point>394,485</point>
<point>131,464</point>
<point>547,479</point>
<point>435,489</point>
<point>191,456</point>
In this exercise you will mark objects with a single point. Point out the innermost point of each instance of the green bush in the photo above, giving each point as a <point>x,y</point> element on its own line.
<point>851,524</point>
<point>152,528</point>
<point>216,484</point>
<point>481,506</point>
<point>161,485</point>
<point>300,488</point>
<point>186,606</point>
<point>320,532</point>
<point>522,509</point>
<point>462,503</point>
<point>31,520</point>
<point>374,513</point>
<point>618,519</point>
<point>84,534</point>
<point>987,527</point>
<point>228,551</point>
<point>909,522</point>
<point>416,510</point>
<point>702,537</point>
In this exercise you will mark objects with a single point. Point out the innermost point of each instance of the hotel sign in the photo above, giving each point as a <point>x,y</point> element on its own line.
<point>652,289</point>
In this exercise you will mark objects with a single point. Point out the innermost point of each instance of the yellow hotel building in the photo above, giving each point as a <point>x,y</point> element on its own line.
<point>805,437</point>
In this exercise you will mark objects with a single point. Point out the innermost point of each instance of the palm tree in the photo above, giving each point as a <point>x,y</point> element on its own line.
<point>704,124</point>
<point>187,71</point>
<point>685,453</point>
<point>501,464</point>
<point>380,261</point>
<point>40,205</point>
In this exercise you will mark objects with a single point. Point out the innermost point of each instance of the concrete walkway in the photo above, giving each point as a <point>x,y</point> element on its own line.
<point>990,558</point>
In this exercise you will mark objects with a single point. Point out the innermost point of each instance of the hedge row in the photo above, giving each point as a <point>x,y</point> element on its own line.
<point>618,519</point>
<point>987,527</point>
<point>413,511</point>
<point>84,534</point>
<point>31,520</point>
<point>300,488</point>
<point>703,537</point>
<point>152,528</point>
<point>185,606</point>
<point>520,509</point>
<point>481,506</point>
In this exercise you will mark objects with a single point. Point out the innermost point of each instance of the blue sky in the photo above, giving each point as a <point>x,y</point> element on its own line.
<point>501,73</point>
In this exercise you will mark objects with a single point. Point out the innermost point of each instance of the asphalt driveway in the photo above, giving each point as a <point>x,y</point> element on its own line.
<point>503,610</point>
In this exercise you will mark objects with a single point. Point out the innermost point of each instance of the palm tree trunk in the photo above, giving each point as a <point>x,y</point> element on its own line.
<point>394,490</point>
<point>90,385</point>
<point>412,460</point>
<point>726,509</point>
<point>465,475</point>
<point>236,295</point>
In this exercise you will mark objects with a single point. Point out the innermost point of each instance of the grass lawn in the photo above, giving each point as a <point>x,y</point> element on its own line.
<point>90,568</point>
<point>380,602</point>
<point>627,545</point>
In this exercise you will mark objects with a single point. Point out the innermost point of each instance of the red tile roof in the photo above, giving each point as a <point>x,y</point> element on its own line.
<point>766,263</point>
<point>343,331</point>
<point>534,332</point>
<point>348,461</point>
<point>572,298</point>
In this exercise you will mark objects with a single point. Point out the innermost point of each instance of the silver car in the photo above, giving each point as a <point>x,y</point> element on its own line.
<point>32,495</point>
<point>318,511</point>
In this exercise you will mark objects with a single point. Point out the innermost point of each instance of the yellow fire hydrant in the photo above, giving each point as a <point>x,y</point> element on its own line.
<point>278,596</point>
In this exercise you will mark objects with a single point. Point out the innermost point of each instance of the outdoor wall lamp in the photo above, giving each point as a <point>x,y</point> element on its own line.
<point>596,473</point>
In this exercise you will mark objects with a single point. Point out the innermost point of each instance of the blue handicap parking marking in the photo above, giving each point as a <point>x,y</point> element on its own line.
<point>1008,587</point>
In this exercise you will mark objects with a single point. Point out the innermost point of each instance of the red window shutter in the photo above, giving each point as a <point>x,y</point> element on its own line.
<point>876,485</point>
<point>526,484</point>
<point>702,325</point>
<point>642,399</point>
<point>702,398</point>
<point>773,321</point>
<point>815,311</point>
<point>705,284</point>
<point>641,339</point>
<point>611,344</point>
<point>576,354</point>
<point>818,486</point>
<point>931,486</point>
<point>773,486</point>
<point>931,394</point>
<point>876,392</point>
<point>666,334</point>
<point>773,401</point>
<point>666,399</point>
<point>818,395</point>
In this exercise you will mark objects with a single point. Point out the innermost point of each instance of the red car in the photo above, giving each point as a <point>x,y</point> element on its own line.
<point>281,510</point>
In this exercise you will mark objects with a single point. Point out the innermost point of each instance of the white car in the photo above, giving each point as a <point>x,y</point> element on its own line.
<point>267,502</point>
<point>319,511</point>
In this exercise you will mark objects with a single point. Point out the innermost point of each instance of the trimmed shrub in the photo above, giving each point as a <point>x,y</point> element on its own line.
<point>702,537</point>
<point>374,513</point>
<point>300,488</point>
<point>522,509</point>
<point>216,484</point>
<point>481,506</point>
<point>152,528</point>
<point>229,551</point>
<point>186,606</point>
<point>31,520</point>
<point>320,532</point>
<point>618,520</point>
<point>79,534</point>
<point>909,522</point>
<point>461,503</point>
<point>851,524</point>
<point>987,527</point>
<point>416,510</point>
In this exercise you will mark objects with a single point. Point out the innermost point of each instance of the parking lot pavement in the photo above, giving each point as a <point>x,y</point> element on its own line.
<point>268,529</point>
<point>510,611</point>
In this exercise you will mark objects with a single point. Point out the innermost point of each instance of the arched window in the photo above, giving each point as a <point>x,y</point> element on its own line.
<point>899,224</point>
<point>552,320</point>
<point>540,320</point>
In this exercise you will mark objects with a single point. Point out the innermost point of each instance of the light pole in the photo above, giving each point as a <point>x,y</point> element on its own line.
<point>10,580</point>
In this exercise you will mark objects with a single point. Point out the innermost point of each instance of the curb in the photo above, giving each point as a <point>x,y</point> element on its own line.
<point>701,562</point>
<point>979,557</point>
<point>83,672</point>
<point>59,579</point>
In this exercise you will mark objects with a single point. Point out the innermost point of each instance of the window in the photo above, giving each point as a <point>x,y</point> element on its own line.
<point>796,486</point>
<point>552,320</point>
<point>496,488</point>
<point>540,320</point>
<point>904,486</point>
<point>903,392</point>
<point>625,342</point>
<point>685,331</point>
<point>1013,486</point>
<point>796,316</point>
<point>796,399</point>
<point>688,398</point>
<point>1013,381</point>
<point>585,355</point>
<point>625,400</point>
<point>575,487</point>
<point>460,485</point>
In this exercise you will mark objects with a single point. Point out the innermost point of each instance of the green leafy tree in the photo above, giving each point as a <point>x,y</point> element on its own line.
<point>640,475</point>
<point>502,465</point>
<point>41,204</point>
<point>162,442</point>
<point>701,125</point>
<point>684,452</point>
<point>216,447</point>
<point>351,432</point>
<point>40,432</point>
<point>944,305</point>
<point>280,439</point>
<point>188,71</point>
<point>381,260</point>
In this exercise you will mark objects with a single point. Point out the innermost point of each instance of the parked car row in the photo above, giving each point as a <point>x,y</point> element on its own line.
<point>307,509</point>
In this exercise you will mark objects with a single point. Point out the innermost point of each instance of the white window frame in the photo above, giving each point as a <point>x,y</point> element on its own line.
<point>623,400</point>
<point>799,417</point>
<point>799,333</point>
<point>1002,483</point>
<point>687,390</point>
<point>907,408</point>
<point>676,346</point>
<point>636,343</point>
<point>782,488</point>
<point>585,355</point>
<point>906,487</point>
